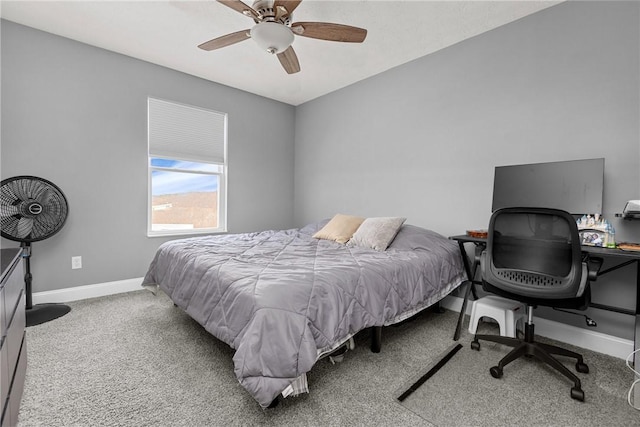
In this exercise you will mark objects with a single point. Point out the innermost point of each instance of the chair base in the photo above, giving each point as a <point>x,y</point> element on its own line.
<point>541,351</point>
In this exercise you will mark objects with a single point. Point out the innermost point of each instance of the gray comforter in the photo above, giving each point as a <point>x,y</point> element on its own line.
<point>282,299</point>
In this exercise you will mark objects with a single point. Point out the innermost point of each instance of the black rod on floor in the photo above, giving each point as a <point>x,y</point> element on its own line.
<point>430,373</point>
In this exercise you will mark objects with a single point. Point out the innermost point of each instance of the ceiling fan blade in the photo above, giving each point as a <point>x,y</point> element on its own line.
<point>227,40</point>
<point>328,31</point>
<point>290,5</point>
<point>241,7</point>
<point>289,61</point>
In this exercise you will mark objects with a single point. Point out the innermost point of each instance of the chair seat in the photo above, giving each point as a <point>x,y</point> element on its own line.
<point>504,311</point>
<point>577,303</point>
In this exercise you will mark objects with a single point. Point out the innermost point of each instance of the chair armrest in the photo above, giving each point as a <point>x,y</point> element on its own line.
<point>479,249</point>
<point>593,267</point>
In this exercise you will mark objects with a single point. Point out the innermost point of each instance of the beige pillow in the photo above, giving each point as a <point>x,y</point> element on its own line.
<point>377,233</point>
<point>340,228</point>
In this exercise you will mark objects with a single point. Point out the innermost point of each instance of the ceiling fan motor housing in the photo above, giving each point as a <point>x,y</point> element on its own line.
<point>267,12</point>
<point>272,37</point>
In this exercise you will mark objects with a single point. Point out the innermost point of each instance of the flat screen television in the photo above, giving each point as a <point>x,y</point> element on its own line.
<point>574,186</point>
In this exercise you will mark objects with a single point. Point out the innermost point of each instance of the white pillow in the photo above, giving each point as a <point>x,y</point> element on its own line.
<point>376,233</point>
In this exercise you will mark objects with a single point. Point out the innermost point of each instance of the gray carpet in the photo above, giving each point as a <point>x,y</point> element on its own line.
<point>135,359</point>
<point>529,393</point>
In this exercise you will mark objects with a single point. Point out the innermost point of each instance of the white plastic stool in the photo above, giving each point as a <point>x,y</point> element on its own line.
<point>504,311</point>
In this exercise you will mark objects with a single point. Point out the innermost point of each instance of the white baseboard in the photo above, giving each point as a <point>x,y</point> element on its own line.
<point>584,338</point>
<point>87,291</point>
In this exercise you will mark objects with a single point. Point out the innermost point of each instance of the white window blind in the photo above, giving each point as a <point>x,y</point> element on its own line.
<point>178,131</point>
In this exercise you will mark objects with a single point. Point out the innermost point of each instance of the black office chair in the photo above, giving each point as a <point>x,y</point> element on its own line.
<point>533,255</point>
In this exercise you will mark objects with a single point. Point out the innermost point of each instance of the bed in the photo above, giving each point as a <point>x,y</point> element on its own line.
<point>283,299</point>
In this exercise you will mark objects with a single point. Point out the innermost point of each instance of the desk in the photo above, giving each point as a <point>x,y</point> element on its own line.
<point>625,258</point>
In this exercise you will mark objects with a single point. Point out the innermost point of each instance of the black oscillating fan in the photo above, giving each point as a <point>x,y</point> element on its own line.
<point>32,209</point>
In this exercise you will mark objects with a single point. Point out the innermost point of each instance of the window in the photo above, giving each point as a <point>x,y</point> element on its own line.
<point>187,169</point>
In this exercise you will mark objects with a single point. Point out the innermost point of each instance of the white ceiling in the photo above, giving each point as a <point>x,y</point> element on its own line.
<point>167,33</point>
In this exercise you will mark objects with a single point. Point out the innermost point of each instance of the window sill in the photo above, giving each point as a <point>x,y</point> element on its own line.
<point>186,233</point>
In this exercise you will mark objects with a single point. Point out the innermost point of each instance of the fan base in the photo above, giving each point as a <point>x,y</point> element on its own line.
<point>43,313</point>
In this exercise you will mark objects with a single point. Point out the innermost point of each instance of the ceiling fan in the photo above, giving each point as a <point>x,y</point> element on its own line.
<point>274,31</point>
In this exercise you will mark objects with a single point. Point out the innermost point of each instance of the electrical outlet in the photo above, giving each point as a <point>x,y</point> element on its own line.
<point>76,262</point>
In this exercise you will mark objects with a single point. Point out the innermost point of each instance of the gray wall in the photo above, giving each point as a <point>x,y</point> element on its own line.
<point>422,140</point>
<point>76,115</point>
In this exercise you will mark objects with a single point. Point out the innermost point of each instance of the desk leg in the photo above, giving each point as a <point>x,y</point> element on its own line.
<point>636,362</point>
<point>636,341</point>
<point>463,310</point>
<point>471,274</point>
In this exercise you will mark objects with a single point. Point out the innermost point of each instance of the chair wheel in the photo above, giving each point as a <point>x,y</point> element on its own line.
<point>577,394</point>
<point>475,345</point>
<point>496,372</point>
<point>582,368</point>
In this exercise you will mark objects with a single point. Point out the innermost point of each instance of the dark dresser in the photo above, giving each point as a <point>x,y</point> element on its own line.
<point>13,346</point>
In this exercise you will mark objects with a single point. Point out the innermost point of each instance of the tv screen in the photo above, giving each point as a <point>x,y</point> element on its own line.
<point>574,186</point>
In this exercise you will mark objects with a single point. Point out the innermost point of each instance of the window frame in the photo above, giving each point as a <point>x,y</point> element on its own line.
<point>221,173</point>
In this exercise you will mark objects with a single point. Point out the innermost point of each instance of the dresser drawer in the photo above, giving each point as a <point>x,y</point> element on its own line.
<point>15,331</point>
<point>12,291</point>
<point>12,405</point>
<point>13,356</point>
<point>3,324</point>
<point>5,377</point>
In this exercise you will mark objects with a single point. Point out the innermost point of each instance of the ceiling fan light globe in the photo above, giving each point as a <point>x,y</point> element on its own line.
<point>272,37</point>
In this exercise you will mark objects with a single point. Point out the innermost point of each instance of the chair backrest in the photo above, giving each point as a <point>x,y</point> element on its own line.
<point>534,253</point>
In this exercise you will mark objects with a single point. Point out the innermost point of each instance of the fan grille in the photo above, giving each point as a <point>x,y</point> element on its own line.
<point>31,208</point>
